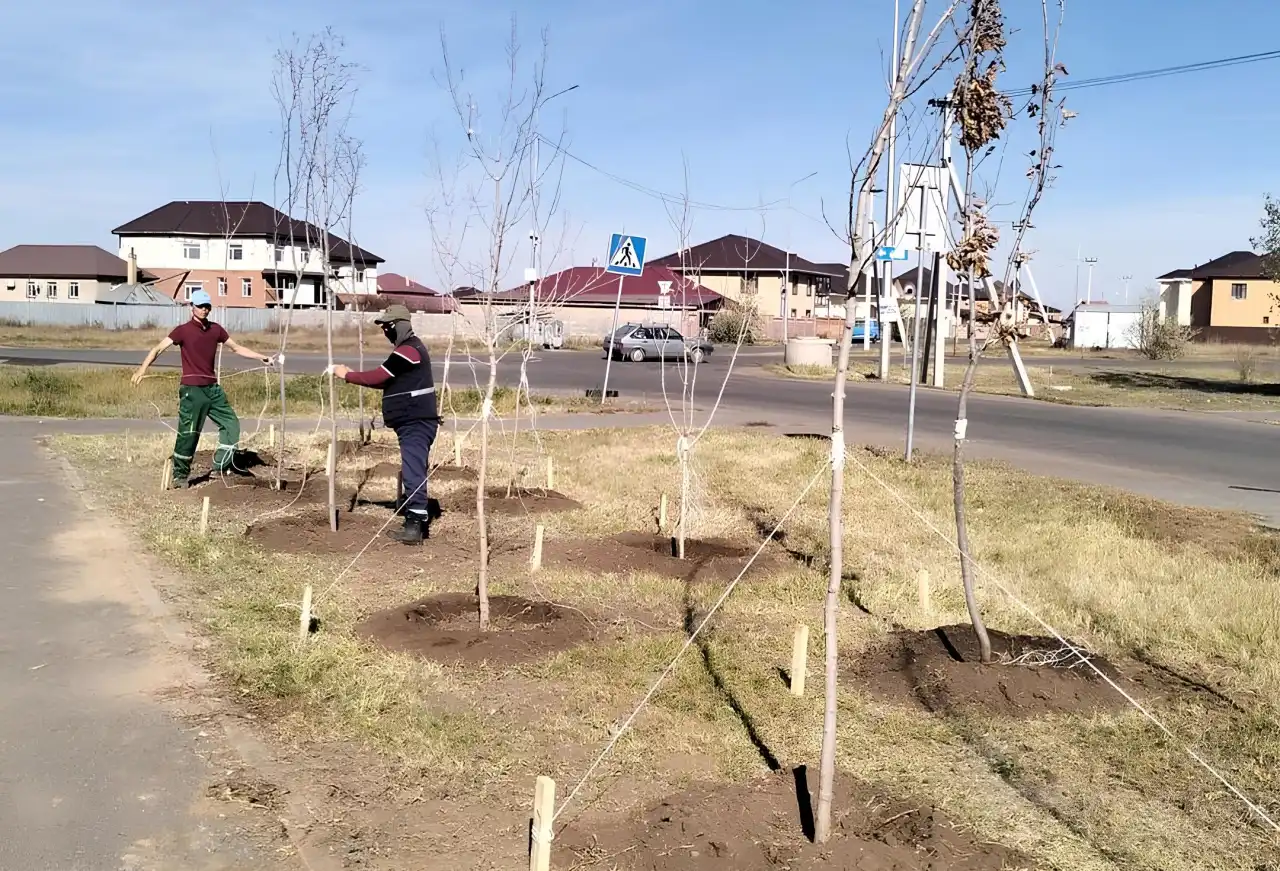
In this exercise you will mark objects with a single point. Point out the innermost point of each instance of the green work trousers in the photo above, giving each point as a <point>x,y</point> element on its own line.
<point>194,405</point>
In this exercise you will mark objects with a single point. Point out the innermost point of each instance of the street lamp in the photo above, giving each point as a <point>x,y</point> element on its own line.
<point>535,240</point>
<point>1088,294</point>
<point>1126,279</point>
<point>786,272</point>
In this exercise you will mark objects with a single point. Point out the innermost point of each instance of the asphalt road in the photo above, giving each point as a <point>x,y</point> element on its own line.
<point>1215,460</point>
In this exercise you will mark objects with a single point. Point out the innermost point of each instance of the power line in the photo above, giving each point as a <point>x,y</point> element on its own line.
<point>1162,72</point>
<point>672,199</point>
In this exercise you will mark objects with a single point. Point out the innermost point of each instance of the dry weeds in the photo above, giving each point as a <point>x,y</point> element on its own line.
<point>1197,593</point>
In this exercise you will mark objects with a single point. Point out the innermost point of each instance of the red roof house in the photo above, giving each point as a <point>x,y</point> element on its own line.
<point>591,286</point>
<point>395,288</point>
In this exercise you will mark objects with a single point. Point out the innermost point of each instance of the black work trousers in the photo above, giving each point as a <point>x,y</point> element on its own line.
<point>416,438</point>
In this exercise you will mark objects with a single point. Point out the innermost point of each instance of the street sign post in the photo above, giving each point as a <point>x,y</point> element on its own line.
<point>626,255</point>
<point>888,252</point>
<point>626,258</point>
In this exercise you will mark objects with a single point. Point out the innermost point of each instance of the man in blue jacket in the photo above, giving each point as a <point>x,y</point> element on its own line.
<point>409,408</point>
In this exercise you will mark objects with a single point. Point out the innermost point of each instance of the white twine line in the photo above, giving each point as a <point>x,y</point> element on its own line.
<point>1190,751</point>
<point>687,644</point>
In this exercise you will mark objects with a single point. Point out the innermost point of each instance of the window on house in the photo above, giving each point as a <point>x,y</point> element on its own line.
<point>222,287</point>
<point>793,312</point>
<point>73,290</point>
<point>191,287</point>
<point>33,290</point>
<point>1239,291</point>
<point>246,287</point>
<point>191,250</point>
<point>235,251</point>
<point>360,275</point>
<point>1266,320</point>
<point>279,254</point>
<point>51,289</point>
<point>808,313</point>
<point>808,290</point>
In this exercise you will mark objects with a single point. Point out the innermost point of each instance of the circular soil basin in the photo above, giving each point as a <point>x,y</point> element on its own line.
<point>446,628</point>
<point>310,533</point>
<point>941,670</point>
<point>260,490</point>
<point>709,559</point>
<point>767,824</point>
<point>498,500</point>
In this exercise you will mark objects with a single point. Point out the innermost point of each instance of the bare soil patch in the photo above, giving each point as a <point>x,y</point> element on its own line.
<point>446,628</point>
<point>243,460</point>
<point>767,825</point>
<point>499,500</point>
<point>260,491</point>
<point>348,448</point>
<point>309,533</point>
<point>709,559</point>
<point>941,670</point>
<point>391,469</point>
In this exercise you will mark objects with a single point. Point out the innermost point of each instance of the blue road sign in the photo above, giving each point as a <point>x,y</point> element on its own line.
<point>888,253</point>
<point>626,255</point>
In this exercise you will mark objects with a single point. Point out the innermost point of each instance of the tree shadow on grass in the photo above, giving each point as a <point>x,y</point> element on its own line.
<point>1160,381</point>
<point>691,621</point>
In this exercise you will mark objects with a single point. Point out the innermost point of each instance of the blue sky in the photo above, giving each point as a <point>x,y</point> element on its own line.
<point>162,100</point>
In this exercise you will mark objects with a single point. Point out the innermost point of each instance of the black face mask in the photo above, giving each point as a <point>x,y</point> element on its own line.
<point>397,332</point>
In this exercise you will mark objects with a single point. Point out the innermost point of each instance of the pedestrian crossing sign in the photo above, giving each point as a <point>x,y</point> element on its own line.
<point>626,255</point>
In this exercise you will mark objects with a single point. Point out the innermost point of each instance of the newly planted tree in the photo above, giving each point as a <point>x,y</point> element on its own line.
<point>314,90</point>
<point>493,193</point>
<point>983,112</point>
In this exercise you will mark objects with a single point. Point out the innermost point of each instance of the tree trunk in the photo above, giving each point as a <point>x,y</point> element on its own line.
<point>682,527</point>
<point>364,436</point>
<point>333,399</point>
<point>482,585</point>
<point>958,495</point>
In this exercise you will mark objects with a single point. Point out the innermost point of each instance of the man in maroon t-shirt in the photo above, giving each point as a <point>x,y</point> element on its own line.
<point>200,396</point>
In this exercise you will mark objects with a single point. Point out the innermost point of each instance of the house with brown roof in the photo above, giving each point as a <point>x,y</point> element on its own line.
<point>753,273</point>
<point>245,254</point>
<point>394,288</point>
<point>1230,298</point>
<point>585,297</point>
<point>61,273</point>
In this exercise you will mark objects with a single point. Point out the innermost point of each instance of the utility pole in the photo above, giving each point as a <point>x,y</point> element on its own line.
<point>786,301</point>
<point>890,208</point>
<point>1127,279</point>
<point>1088,294</point>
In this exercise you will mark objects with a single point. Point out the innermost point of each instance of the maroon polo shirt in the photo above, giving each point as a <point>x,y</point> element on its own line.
<point>199,347</point>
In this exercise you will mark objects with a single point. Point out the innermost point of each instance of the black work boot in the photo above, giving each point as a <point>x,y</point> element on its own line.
<point>413,531</point>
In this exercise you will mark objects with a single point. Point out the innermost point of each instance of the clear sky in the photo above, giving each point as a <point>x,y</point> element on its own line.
<point>109,108</point>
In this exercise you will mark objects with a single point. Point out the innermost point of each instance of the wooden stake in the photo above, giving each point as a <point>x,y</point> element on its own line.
<point>204,517</point>
<point>271,435</point>
<point>304,621</point>
<point>922,579</point>
<point>799,660</point>
<point>535,561</point>
<point>544,809</point>
<point>128,454</point>
<point>331,461</point>
<point>166,473</point>
<point>551,474</point>
<point>662,513</point>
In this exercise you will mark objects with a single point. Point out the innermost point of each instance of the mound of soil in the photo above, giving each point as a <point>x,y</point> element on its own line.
<point>767,825</point>
<point>709,559</point>
<point>310,533</point>
<point>518,501</point>
<point>941,670</point>
<point>391,470</point>
<point>446,628</point>
<point>243,460</point>
<point>348,448</point>
<point>259,490</point>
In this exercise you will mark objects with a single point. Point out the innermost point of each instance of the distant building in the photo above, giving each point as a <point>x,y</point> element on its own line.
<point>395,288</point>
<point>1228,299</point>
<point>61,273</point>
<point>244,254</point>
<point>752,272</point>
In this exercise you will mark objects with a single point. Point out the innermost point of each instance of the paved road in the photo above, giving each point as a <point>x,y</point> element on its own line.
<point>1213,460</point>
<point>96,774</point>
